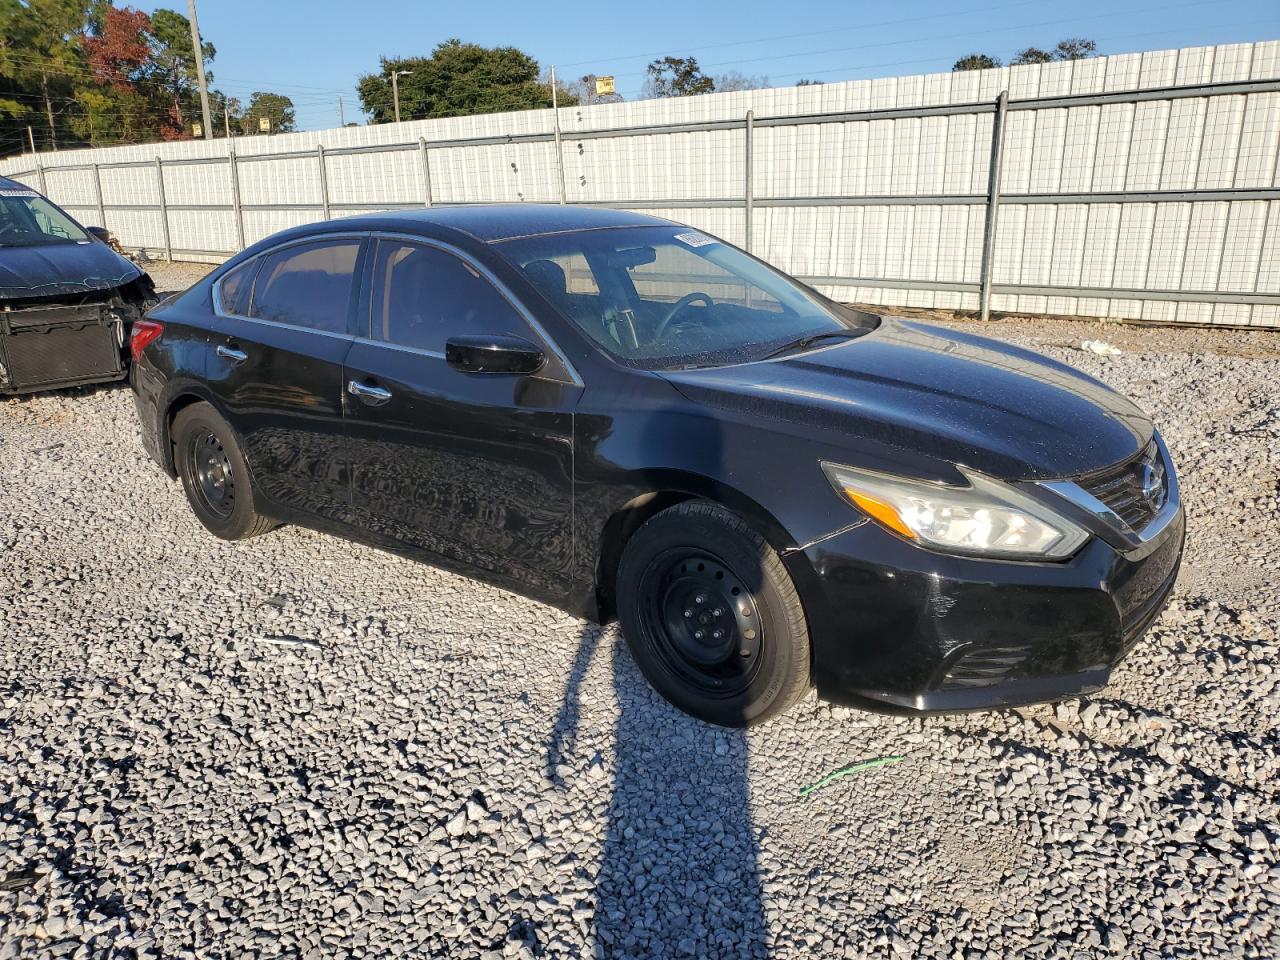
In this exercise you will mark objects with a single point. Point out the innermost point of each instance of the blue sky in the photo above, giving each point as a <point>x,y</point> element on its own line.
<point>315,51</point>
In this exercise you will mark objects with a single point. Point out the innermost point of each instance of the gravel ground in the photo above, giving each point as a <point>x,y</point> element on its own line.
<point>295,746</point>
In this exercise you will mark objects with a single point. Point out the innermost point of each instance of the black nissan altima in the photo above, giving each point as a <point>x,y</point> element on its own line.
<point>623,416</point>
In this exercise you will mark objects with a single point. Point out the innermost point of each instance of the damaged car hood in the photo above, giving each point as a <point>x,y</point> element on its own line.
<point>964,399</point>
<point>61,269</point>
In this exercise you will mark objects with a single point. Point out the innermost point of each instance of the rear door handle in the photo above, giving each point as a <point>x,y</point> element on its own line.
<point>231,353</point>
<point>368,393</point>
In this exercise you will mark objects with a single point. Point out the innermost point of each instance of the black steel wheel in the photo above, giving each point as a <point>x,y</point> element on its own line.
<point>215,475</point>
<point>702,620</point>
<point>711,616</point>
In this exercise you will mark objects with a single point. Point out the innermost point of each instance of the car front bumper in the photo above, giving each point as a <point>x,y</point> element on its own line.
<point>902,629</point>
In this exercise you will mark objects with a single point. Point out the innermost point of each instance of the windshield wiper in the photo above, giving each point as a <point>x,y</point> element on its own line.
<point>801,343</point>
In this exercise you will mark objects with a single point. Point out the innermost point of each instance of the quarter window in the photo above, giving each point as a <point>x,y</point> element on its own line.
<point>307,285</point>
<point>422,296</point>
<point>233,289</point>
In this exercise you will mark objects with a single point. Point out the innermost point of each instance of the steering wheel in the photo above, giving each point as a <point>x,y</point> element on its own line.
<point>677,307</point>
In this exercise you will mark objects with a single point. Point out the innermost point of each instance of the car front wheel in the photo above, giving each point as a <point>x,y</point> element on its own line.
<point>711,616</point>
<point>214,474</point>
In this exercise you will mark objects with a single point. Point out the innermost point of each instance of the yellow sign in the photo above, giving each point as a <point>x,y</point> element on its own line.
<point>197,130</point>
<point>264,124</point>
<point>604,86</point>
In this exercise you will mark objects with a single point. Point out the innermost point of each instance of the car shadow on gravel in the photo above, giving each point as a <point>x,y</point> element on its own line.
<point>678,874</point>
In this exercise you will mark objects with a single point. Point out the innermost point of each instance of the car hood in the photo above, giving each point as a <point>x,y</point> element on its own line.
<point>60,269</point>
<point>937,394</point>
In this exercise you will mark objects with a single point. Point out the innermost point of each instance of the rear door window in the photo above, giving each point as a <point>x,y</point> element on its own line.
<point>308,285</point>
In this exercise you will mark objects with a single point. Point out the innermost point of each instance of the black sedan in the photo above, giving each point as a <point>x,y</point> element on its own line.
<point>623,416</point>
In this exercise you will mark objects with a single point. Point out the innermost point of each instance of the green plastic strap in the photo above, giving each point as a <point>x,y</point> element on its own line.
<point>845,771</point>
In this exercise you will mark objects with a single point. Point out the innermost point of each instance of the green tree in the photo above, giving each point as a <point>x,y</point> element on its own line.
<point>276,107</point>
<point>40,54</point>
<point>122,104</point>
<point>174,64</point>
<point>222,106</point>
<point>1075,48</point>
<point>458,79</point>
<point>677,77</point>
<point>88,71</point>
<point>976,61</point>
<point>733,81</point>
<point>1031,55</point>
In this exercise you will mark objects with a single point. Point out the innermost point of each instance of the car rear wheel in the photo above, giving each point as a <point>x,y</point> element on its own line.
<point>214,474</point>
<point>711,616</point>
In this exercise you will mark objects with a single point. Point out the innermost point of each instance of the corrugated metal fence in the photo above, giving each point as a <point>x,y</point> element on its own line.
<point>1139,185</point>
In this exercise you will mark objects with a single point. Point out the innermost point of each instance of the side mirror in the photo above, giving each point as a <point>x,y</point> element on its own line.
<point>493,354</point>
<point>99,233</point>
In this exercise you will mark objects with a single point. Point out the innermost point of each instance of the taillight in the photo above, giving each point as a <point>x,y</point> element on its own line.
<point>144,332</point>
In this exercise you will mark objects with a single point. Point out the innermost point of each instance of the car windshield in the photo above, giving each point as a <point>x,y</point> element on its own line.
<point>668,297</point>
<point>28,219</point>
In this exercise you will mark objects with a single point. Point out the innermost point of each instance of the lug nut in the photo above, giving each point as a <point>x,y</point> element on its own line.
<point>717,634</point>
<point>718,612</point>
<point>700,598</point>
<point>688,613</point>
<point>697,634</point>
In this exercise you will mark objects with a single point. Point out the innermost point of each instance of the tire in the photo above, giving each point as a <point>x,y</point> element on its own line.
<point>712,617</point>
<point>215,475</point>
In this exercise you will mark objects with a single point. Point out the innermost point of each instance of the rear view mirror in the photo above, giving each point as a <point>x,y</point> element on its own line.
<point>635,257</point>
<point>493,354</point>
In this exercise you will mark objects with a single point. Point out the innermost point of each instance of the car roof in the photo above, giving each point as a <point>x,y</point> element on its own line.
<point>9,184</point>
<point>493,222</point>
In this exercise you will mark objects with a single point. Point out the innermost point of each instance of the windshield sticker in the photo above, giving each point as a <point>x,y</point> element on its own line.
<point>18,193</point>
<point>695,239</point>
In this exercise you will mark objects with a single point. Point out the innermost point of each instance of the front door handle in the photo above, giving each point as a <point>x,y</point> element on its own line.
<point>231,353</point>
<point>368,393</point>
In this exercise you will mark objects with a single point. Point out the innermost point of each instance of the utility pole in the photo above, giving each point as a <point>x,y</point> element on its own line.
<point>226,118</point>
<point>342,119</point>
<point>395,88</point>
<point>555,113</point>
<point>199,51</point>
<point>32,138</point>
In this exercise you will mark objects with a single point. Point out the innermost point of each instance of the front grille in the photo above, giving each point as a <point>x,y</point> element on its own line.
<point>1127,487</point>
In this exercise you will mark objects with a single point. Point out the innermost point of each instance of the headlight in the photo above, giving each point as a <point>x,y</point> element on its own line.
<point>987,518</point>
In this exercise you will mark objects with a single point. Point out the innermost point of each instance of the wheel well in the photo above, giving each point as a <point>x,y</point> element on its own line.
<point>179,404</point>
<point>617,532</point>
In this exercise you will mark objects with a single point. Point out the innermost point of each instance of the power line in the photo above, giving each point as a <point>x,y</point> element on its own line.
<point>126,75</point>
<point>813,33</point>
<point>924,60</point>
<point>946,36</point>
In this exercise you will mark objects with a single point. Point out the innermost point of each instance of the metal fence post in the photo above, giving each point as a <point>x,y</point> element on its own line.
<point>164,211</point>
<point>236,209</point>
<point>324,181</point>
<point>97,192</point>
<point>44,185</point>
<point>426,171</point>
<point>748,187</point>
<point>993,203</point>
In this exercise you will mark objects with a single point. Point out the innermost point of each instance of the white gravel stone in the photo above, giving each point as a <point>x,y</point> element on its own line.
<point>295,746</point>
